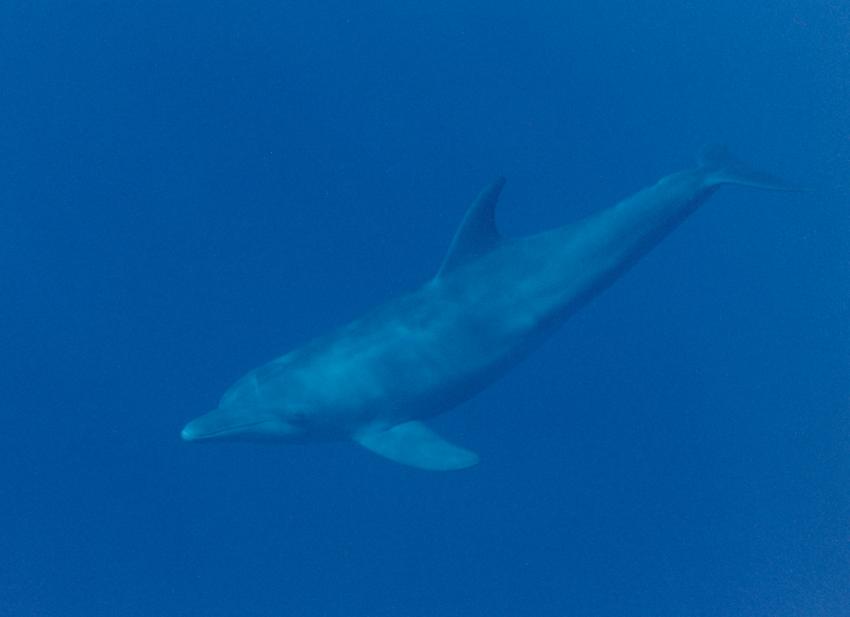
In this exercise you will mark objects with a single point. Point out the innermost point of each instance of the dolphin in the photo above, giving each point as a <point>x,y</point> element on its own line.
<point>493,300</point>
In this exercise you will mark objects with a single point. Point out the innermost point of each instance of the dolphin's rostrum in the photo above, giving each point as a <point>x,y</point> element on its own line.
<point>493,300</point>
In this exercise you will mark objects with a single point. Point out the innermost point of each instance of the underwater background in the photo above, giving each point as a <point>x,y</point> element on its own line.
<point>189,189</point>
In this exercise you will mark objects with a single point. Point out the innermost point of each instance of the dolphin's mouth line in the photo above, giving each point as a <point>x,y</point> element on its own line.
<point>228,429</point>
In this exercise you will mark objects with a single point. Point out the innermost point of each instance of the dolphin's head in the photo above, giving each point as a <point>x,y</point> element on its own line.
<point>248,413</point>
<point>241,425</point>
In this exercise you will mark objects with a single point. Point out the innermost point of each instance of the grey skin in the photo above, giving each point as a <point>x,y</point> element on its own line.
<point>493,300</point>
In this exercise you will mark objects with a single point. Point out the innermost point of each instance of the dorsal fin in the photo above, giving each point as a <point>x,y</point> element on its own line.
<point>477,233</point>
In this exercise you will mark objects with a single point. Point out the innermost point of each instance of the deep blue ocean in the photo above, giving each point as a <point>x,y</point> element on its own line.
<point>190,189</point>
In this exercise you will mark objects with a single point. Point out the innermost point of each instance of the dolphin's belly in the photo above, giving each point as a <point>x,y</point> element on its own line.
<point>427,357</point>
<point>417,356</point>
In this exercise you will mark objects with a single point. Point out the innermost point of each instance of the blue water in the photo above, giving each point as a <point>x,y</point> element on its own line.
<point>189,189</point>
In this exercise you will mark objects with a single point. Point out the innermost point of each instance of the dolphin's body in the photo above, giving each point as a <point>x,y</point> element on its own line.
<point>493,300</point>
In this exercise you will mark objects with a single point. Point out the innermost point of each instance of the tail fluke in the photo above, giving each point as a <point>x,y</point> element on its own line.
<point>721,167</point>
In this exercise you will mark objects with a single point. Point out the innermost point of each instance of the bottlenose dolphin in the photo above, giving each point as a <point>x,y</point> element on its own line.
<point>492,301</point>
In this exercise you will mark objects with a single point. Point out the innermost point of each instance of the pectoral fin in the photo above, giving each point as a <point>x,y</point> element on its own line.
<point>414,444</point>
